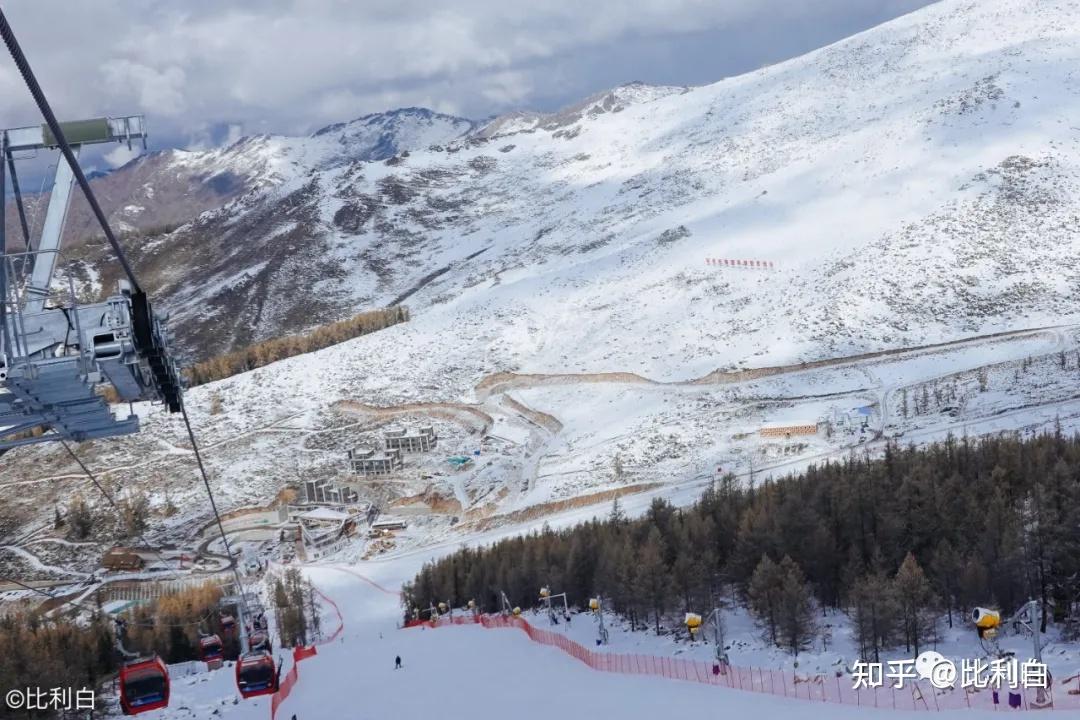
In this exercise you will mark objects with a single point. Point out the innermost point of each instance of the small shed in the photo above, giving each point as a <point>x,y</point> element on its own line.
<point>122,558</point>
<point>389,524</point>
<point>324,515</point>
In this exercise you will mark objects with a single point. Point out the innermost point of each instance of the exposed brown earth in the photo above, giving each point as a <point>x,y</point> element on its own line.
<point>537,511</point>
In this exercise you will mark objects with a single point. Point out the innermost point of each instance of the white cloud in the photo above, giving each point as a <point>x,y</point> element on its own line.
<point>234,133</point>
<point>121,155</point>
<point>507,89</point>
<point>159,92</point>
<point>295,65</point>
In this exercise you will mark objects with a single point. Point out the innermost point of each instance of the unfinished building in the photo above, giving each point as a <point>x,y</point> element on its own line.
<point>322,491</point>
<point>368,461</point>
<point>423,441</point>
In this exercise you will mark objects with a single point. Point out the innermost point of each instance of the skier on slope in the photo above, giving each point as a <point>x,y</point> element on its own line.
<point>397,662</point>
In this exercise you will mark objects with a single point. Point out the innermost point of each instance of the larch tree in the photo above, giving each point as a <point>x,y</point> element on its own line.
<point>874,615</point>
<point>914,598</point>
<point>797,623</point>
<point>765,593</point>
<point>945,566</point>
<point>653,579</point>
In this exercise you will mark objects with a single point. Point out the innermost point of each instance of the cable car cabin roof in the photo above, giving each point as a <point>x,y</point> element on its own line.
<point>260,668</point>
<point>138,671</point>
<point>144,686</point>
<point>256,674</point>
<point>210,647</point>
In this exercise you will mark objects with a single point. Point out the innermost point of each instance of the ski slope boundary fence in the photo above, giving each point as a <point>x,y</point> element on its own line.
<point>746,264</point>
<point>302,653</point>
<point>812,688</point>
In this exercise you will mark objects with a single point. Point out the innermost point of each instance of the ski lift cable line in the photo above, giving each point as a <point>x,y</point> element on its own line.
<point>93,611</point>
<point>54,126</point>
<point>49,595</point>
<point>112,502</point>
<point>42,102</point>
<point>213,503</point>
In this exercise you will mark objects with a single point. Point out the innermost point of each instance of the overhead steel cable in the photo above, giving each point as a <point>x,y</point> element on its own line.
<point>39,591</point>
<point>116,507</point>
<point>54,126</point>
<point>245,635</point>
<point>210,494</point>
<point>94,611</point>
<point>38,94</point>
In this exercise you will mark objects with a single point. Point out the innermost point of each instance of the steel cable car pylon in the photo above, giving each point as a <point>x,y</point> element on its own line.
<point>257,673</point>
<point>54,350</point>
<point>53,355</point>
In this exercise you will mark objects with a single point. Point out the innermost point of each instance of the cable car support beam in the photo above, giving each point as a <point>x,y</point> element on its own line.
<point>55,351</point>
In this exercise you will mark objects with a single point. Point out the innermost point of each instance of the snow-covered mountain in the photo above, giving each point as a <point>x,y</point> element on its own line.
<point>155,192</point>
<point>583,287</point>
<point>916,183</point>
<point>609,101</point>
<point>383,135</point>
<point>161,190</point>
<point>913,182</point>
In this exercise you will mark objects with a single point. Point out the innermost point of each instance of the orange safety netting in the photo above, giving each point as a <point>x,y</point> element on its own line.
<point>303,653</point>
<point>835,688</point>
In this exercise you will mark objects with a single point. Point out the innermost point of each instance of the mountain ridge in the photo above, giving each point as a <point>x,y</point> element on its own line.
<point>592,292</point>
<point>620,190</point>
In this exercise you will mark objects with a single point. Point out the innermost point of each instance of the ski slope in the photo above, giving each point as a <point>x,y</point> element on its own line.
<point>469,672</point>
<point>915,183</point>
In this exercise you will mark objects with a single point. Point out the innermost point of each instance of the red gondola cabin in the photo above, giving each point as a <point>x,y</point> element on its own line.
<point>256,674</point>
<point>259,640</point>
<point>210,648</point>
<point>144,686</point>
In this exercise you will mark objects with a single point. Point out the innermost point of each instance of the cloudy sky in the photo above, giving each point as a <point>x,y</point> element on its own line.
<point>207,71</point>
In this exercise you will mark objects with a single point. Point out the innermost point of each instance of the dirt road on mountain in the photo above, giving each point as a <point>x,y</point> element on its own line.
<point>504,381</point>
<point>469,415</point>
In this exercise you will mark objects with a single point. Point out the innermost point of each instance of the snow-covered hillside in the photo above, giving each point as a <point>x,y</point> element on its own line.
<point>917,183</point>
<point>472,672</point>
<point>383,135</point>
<point>911,183</point>
<point>161,190</point>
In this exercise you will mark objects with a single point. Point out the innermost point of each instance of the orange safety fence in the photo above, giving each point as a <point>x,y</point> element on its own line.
<point>730,262</point>
<point>303,653</point>
<point>834,688</point>
<point>337,611</point>
<point>284,688</point>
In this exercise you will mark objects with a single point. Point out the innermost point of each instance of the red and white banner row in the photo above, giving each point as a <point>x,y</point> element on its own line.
<point>725,262</point>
